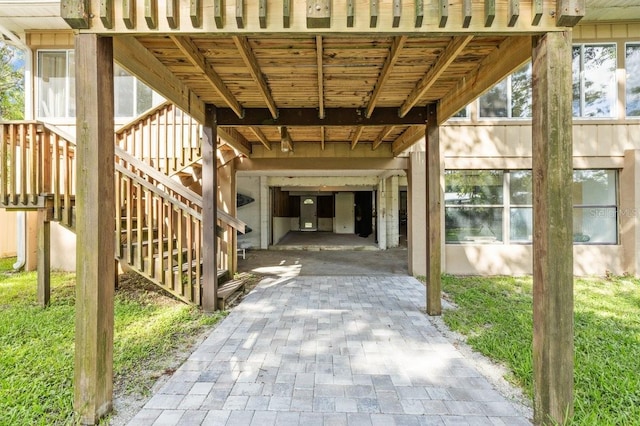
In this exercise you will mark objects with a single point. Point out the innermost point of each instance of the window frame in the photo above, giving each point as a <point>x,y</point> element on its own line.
<point>509,83</point>
<point>626,80</point>
<point>613,115</point>
<point>39,101</point>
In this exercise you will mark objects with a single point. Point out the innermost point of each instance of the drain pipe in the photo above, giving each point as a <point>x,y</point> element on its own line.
<point>21,223</point>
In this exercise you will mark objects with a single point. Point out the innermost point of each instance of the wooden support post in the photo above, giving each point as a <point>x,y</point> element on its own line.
<point>95,227</point>
<point>552,229</point>
<point>44,259</point>
<point>75,13</point>
<point>209,209</point>
<point>434,214</point>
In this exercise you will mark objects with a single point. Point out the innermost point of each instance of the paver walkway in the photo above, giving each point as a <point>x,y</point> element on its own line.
<point>342,350</point>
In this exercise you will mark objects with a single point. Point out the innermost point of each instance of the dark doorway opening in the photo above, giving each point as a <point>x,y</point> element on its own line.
<point>363,201</point>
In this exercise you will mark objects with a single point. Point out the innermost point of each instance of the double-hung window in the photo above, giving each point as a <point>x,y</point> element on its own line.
<point>511,98</point>
<point>595,212</point>
<point>632,68</point>
<point>594,80</point>
<point>56,84</point>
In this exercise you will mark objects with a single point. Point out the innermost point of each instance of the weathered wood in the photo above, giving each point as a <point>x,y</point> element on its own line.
<point>569,12</point>
<point>434,214</point>
<point>489,12</point>
<point>419,10</point>
<point>407,138</point>
<point>453,49</point>
<point>218,13</point>
<point>380,138</point>
<point>76,13</point>
<point>356,136</point>
<point>373,13</point>
<point>513,11</point>
<point>467,13</point>
<point>151,13</point>
<point>195,13</point>
<point>240,13</point>
<point>129,13</point>
<point>537,7</point>
<point>262,13</point>
<point>443,12</point>
<point>44,259</point>
<point>397,13</point>
<point>251,62</point>
<point>286,13</point>
<point>318,13</point>
<point>320,66</point>
<point>209,208</point>
<point>392,58</point>
<point>93,381</point>
<point>552,228</point>
<point>350,13</point>
<point>173,13</point>
<point>336,117</point>
<point>261,137</point>
<point>106,13</point>
<point>322,137</point>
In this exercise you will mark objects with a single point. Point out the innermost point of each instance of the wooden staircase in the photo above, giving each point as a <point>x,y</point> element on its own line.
<point>158,228</point>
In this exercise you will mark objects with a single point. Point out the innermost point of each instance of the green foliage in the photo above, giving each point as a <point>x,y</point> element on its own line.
<point>37,345</point>
<point>496,315</point>
<point>11,83</point>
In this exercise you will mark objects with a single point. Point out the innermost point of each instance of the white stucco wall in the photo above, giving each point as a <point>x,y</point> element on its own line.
<point>250,213</point>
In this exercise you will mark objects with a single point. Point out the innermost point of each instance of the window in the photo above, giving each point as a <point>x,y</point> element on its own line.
<point>56,88</point>
<point>463,113</point>
<point>594,80</point>
<point>632,66</point>
<point>511,98</point>
<point>476,210</point>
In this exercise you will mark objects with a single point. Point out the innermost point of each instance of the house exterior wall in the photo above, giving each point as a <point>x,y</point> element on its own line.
<point>8,236</point>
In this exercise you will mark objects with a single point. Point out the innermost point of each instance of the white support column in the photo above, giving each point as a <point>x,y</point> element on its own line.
<point>381,214</point>
<point>265,213</point>
<point>209,211</point>
<point>417,214</point>
<point>393,211</point>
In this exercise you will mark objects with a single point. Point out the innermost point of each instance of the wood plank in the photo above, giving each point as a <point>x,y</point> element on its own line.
<point>286,13</point>
<point>443,12</point>
<point>351,12</point>
<point>513,11</point>
<point>209,208</point>
<point>356,136</point>
<point>218,13</point>
<point>44,259</point>
<point>318,13</point>
<point>129,13</point>
<point>451,52</point>
<point>106,13</point>
<point>193,54</point>
<point>373,13</point>
<point>151,13</point>
<point>434,214</point>
<point>76,13</point>
<point>250,60</point>
<point>380,138</point>
<point>553,339</point>
<point>396,47</point>
<point>261,137</point>
<point>173,13</point>
<point>569,12</point>
<point>93,379</point>
<point>467,13</point>
<point>410,136</point>
<point>262,13</point>
<point>419,10</point>
<point>537,9</point>
<point>322,137</point>
<point>489,12</point>
<point>397,13</point>
<point>240,13</point>
<point>320,67</point>
<point>195,13</point>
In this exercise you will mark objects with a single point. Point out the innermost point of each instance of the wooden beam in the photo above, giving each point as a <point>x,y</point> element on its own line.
<point>262,137</point>
<point>129,13</point>
<point>95,227</point>
<point>309,163</point>
<point>351,12</point>
<point>240,13</point>
<point>151,13</point>
<point>262,13</point>
<point>380,138</point>
<point>209,209</point>
<point>286,13</point>
<point>419,8</point>
<point>322,137</point>
<point>509,56</point>
<point>250,60</point>
<point>410,136</point>
<point>136,59</point>
<point>397,13</point>
<point>489,12</point>
<point>467,13</point>
<point>195,13</point>
<point>106,13</point>
<point>335,117</point>
<point>44,259</point>
<point>173,14</point>
<point>318,13</point>
<point>234,139</point>
<point>218,13</point>
<point>396,47</point>
<point>434,214</point>
<point>443,12</point>
<point>537,7</point>
<point>76,13</point>
<point>449,54</point>
<point>373,13</point>
<point>513,11</point>
<point>569,12</point>
<point>197,59</point>
<point>286,143</point>
<point>553,339</point>
<point>356,136</point>
<point>320,67</point>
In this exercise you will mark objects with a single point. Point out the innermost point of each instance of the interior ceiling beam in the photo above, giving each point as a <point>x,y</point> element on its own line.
<point>193,54</point>
<point>380,138</point>
<point>335,117</point>
<point>356,136</point>
<point>410,136</point>
<point>394,53</point>
<point>512,53</point>
<point>250,60</point>
<point>449,54</point>
<point>261,137</point>
<point>235,140</point>
<point>319,64</point>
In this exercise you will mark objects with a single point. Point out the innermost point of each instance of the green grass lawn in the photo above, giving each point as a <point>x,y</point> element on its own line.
<point>495,313</point>
<point>37,345</point>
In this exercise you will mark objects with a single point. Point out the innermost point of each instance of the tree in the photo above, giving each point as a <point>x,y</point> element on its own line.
<point>11,83</point>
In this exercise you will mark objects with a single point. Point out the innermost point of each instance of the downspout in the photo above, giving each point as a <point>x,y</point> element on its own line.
<point>21,224</point>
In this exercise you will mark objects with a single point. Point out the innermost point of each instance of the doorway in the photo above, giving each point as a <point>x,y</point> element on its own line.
<point>308,213</point>
<point>363,201</point>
